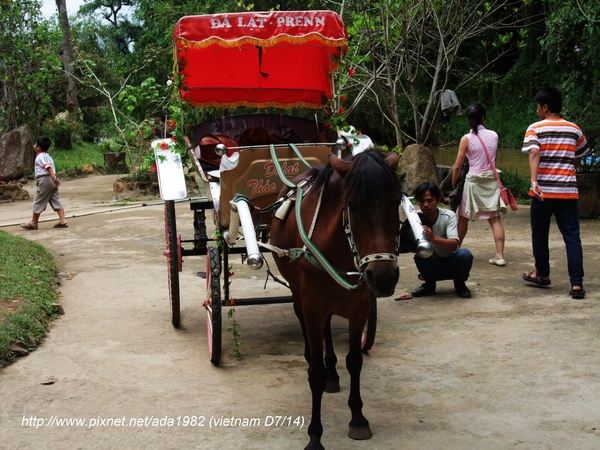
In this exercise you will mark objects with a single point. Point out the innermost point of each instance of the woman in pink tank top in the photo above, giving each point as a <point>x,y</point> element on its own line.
<point>481,195</point>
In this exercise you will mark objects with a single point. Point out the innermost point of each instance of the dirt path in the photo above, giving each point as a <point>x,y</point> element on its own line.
<point>513,367</point>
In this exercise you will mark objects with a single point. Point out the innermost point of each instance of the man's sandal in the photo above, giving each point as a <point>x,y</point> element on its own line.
<point>529,276</point>
<point>29,226</point>
<point>577,294</point>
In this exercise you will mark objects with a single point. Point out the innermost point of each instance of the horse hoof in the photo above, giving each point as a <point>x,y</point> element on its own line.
<point>332,386</point>
<point>360,433</point>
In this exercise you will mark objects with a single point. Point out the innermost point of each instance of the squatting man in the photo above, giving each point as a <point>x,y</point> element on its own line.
<point>448,261</point>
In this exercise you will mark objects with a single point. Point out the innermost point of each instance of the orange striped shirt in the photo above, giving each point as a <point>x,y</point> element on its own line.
<point>560,143</point>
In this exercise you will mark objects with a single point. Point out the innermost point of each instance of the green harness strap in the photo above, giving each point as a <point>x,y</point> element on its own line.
<point>311,253</point>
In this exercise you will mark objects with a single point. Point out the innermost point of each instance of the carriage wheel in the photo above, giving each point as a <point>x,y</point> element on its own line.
<point>174,261</point>
<point>213,304</point>
<point>368,336</point>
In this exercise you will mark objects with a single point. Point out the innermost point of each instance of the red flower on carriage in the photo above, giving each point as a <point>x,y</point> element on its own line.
<point>350,72</point>
<point>153,168</point>
<point>164,146</point>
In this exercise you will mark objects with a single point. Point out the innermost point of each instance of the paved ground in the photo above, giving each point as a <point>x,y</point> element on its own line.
<point>513,367</point>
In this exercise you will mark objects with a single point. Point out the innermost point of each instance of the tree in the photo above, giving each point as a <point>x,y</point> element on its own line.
<point>405,51</point>
<point>115,13</point>
<point>67,55</point>
<point>29,67</point>
<point>572,56</point>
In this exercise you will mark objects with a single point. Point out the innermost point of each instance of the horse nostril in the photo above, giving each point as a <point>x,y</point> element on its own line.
<point>383,280</point>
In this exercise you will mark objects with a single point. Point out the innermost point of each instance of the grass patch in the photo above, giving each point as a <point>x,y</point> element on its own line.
<point>81,153</point>
<point>28,276</point>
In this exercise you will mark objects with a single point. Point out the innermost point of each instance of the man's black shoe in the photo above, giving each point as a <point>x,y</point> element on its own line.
<point>426,288</point>
<point>461,289</point>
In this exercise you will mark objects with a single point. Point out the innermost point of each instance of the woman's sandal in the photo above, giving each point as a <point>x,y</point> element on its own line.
<point>577,294</point>
<point>498,262</point>
<point>528,276</point>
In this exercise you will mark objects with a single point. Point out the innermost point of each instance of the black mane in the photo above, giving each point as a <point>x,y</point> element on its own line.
<point>370,179</point>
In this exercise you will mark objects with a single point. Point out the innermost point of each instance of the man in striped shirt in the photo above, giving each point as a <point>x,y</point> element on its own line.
<point>555,147</point>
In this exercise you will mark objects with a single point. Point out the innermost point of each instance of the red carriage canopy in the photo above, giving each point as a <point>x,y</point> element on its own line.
<point>280,58</point>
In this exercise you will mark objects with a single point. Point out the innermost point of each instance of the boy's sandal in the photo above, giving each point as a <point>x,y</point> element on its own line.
<point>61,225</point>
<point>29,226</point>
<point>528,276</point>
<point>577,294</point>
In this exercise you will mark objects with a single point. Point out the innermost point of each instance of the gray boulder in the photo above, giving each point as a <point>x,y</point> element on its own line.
<point>16,154</point>
<point>417,165</point>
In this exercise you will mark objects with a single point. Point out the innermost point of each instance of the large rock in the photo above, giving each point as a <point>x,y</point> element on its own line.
<point>417,165</point>
<point>16,154</point>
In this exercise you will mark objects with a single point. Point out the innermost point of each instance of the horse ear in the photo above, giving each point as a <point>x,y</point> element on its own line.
<point>341,166</point>
<point>393,159</point>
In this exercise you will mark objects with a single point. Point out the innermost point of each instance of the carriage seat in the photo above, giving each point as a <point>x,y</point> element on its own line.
<point>255,176</point>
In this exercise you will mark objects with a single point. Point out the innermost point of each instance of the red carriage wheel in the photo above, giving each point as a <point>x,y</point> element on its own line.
<point>368,336</point>
<point>213,304</point>
<point>174,261</point>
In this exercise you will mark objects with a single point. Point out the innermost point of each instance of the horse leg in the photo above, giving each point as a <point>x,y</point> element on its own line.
<point>300,316</point>
<point>317,377</point>
<point>359,426</point>
<point>333,379</point>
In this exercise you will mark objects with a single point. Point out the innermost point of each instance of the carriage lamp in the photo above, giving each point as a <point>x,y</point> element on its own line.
<point>220,149</point>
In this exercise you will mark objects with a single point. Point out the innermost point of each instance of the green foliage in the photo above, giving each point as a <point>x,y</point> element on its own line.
<point>110,146</point>
<point>82,153</point>
<point>30,69</point>
<point>517,183</point>
<point>234,329</point>
<point>28,277</point>
<point>501,66</point>
<point>60,131</point>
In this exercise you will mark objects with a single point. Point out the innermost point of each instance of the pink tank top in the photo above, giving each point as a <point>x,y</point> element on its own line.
<point>478,161</point>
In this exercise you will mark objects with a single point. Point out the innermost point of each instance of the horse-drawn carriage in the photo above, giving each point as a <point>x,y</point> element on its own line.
<point>277,185</point>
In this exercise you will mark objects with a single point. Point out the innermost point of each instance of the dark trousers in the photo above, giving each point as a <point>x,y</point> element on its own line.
<point>565,213</point>
<point>455,267</point>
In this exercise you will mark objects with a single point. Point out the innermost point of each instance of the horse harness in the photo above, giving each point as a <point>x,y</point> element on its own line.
<point>310,251</point>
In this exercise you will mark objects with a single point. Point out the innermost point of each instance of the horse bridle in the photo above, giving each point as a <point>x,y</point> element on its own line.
<point>359,262</point>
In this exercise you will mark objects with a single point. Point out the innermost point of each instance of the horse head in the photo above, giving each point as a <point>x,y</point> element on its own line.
<point>371,202</point>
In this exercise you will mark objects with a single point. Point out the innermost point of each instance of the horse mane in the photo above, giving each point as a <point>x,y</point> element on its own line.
<point>371,178</point>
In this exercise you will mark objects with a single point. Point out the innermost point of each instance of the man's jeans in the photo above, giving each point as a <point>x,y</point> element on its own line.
<point>455,267</point>
<point>565,212</point>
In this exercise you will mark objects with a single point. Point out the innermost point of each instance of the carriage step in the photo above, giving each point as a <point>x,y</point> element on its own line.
<point>262,300</point>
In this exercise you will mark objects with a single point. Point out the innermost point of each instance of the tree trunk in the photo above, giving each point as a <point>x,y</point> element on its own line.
<point>67,55</point>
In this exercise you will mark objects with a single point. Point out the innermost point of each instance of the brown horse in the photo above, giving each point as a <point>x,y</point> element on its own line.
<point>355,203</point>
